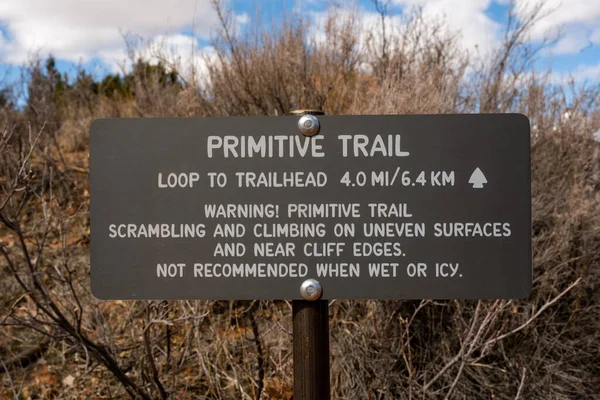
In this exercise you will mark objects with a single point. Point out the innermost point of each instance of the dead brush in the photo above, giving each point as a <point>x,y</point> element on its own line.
<point>542,347</point>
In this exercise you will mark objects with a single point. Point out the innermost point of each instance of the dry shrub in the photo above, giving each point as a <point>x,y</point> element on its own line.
<point>272,69</point>
<point>542,347</point>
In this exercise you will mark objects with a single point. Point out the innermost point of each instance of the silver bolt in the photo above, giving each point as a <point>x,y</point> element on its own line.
<point>308,125</point>
<point>311,290</point>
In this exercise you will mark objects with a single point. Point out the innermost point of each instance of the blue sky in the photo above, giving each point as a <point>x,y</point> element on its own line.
<point>90,32</point>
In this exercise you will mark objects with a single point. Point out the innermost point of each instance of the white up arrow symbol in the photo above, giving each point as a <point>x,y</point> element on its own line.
<point>477,179</point>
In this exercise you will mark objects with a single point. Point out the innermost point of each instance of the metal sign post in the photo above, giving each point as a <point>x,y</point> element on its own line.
<point>311,349</point>
<point>310,318</point>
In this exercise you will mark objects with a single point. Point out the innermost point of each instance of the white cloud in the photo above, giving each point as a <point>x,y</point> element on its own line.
<point>575,19</point>
<point>571,43</point>
<point>583,72</point>
<point>466,17</point>
<point>366,26</point>
<point>364,22</point>
<point>476,31</point>
<point>587,72</point>
<point>242,19</point>
<point>181,52</point>
<point>595,36</point>
<point>561,13</point>
<point>84,29</point>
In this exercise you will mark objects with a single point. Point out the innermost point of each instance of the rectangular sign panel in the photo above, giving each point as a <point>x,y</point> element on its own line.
<point>380,207</point>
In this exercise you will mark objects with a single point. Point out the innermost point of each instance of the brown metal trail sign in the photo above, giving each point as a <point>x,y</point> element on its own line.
<point>380,207</point>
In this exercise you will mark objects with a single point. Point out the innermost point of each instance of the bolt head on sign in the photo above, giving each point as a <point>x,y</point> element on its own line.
<point>308,125</point>
<point>378,207</point>
<point>311,290</point>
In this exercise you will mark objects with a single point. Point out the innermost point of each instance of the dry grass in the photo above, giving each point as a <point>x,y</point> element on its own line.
<point>544,347</point>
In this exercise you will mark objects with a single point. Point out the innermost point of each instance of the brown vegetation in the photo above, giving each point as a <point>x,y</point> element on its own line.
<point>57,341</point>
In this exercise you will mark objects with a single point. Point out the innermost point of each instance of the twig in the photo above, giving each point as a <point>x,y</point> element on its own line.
<point>154,370</point>
<point>537,314</point>
<point>10,381</point>
<point>460,353</point>
<point>259,351</point>
<point>522,384</point>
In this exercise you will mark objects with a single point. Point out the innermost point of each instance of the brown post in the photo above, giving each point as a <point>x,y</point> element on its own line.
<point>311,349</point>
<point>311,339</point>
